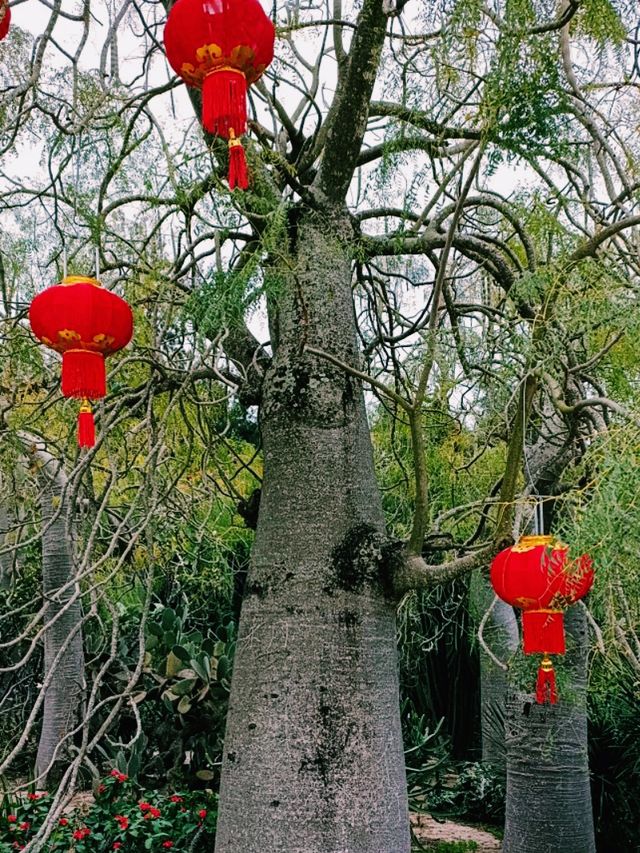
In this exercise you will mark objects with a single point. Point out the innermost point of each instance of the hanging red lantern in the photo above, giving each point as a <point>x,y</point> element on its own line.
<point>85,323</point>
<point>221,47</point>
<point>5,18</point>
<point>537,575</point>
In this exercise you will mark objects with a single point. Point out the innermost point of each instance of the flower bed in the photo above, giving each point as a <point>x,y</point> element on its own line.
<point>119,817</point>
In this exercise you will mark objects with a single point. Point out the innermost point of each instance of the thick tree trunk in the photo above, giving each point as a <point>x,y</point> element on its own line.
<point>548,794</point>
<point>63,697</point>
<point>313,751</point>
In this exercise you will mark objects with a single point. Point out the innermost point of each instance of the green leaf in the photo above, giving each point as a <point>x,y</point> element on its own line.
<point>168,619</point>
<point>224,668</point>
<point>205,775</point>
<point>184,705</point>
<point>174,665</point>
<point>181,688</point>
<point>182,653</point>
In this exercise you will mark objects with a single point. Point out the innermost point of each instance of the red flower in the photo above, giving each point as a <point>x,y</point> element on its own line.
<point>117,845</point>
<point>32,796</point>
<point>144,806</point>
<point>79,834</point>
<point>12,818</point>
<point>122,820</point>
<point>152,813</point>
<point>118,776</point>
<point>167,844</point>
<point>102,788</point>
<point>176,799</point>
<point>63,821</point>
<point>25,826</point>
<point>202,813</point>
<point>17,846</point>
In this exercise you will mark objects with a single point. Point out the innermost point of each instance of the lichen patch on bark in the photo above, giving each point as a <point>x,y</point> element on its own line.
<point>365,557</point>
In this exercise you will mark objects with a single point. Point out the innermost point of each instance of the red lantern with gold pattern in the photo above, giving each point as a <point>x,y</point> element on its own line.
<point>85,323</point>
<point>538,576</point>
<point>221,47</point>
<point>5,18</point>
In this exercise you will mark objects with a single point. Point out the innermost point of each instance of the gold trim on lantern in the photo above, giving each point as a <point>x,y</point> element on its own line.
<point>526,543</point>
<point>80,279</point>
<point>545,610</point>
<point>209,59</point>
<point>85,408</point>
<point>225,68</point>
<point>546,664</point>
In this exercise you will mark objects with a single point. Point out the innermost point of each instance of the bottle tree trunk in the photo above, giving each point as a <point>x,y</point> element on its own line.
<point>548,795</point>
<point>63,653</point>
<point>313,757</point>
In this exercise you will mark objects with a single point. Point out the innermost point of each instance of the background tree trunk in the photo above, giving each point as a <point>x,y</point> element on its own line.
<point>502,635</point>
<point>63,697</point>
<point>548,795</point>
<point>313,758</point>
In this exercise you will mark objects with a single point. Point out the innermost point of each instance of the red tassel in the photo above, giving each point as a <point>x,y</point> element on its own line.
<point>238,175</point>
<point>546,684</point>
<point>224,102</point>
<point>86,426</point>
<point>83,374</point>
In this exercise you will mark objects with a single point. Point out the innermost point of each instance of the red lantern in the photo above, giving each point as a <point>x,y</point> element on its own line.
<point>85,323</point>
<point>537,575</point>
<point>5,18</point>
<point>221,47</point>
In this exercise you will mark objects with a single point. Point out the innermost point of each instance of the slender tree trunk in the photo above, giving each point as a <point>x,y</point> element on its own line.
<point>6,560</point>
<point>63,697</point>
<point>313,751</point>
<point>548,794</point>
<point>502,636</point>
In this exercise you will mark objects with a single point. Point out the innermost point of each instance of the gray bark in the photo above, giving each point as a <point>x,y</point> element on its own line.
<point>6,559</point>
<point>502,636</point>
<point>313,757</point>
<point>548,794</point>
<point>65,691</point>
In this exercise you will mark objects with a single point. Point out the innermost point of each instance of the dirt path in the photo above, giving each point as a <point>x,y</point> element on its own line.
<point>428,830</point>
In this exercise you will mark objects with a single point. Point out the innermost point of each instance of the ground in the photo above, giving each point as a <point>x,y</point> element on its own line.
<point>434,835</point>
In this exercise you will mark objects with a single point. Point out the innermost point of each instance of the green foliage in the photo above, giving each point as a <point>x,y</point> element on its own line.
<point>600,21</point>
<point>524,109</point>
<point>603,520</point>
<point>470,789</point>
<point>614,752</point>
<point>222,301</point>
<point>181,697</point>
<point>120,816</point>
<point>450,847</point>
<point>193,674</point>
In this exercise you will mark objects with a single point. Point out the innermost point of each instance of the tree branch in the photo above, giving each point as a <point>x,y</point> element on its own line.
<point>347,120</point>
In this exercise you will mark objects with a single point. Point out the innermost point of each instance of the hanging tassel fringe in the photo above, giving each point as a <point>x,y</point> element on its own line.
<point>224,102</point>
<point>83,374</point>
<point>546,684</point>
<point>86,426</point>
<point>238,175</point>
